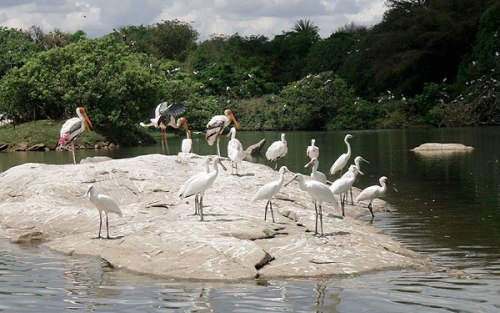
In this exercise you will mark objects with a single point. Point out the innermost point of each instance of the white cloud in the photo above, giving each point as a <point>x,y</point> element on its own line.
<point>257,17</point>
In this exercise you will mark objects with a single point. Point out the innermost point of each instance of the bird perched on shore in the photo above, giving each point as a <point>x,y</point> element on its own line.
<point>103,203</point>
<point>187,143</point>
<point>269,190</point>
<point>357,163</point>
<point>206,166</point>
<point>71,129</point>
<point>373,192</point>
<point>312,151</point>
<point>235,150</point>
<point>342,160</point>
<point>164,115</point>
<point>319,193</point>
<point>343,184</point>
<point>315,174</point>
<point>277,150</point>
<point>217,124</point>
<point>198,186</point>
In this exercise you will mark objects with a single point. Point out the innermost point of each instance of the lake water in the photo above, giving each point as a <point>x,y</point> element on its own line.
<point>447,208</point>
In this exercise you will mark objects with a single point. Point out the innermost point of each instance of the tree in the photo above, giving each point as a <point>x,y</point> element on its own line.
<point>15,49</point>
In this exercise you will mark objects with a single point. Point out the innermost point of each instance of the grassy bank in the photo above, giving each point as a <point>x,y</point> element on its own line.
<point>47,132</point>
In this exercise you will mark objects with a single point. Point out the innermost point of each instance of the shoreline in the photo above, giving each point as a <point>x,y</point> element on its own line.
<point>159,236</point>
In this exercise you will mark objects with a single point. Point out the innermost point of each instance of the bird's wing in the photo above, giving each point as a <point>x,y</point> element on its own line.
<point>312,152</point>
<point>214,126</point>
<point>70,129</point>
<point>267,191</point>
<point>322,192</point>
<point>275,150</point>
<point>199,184</point>
<point>234,149</point>
<point>187,145</point>
<point>339,163</point>
<point>108,204</point>
<point>174,109</point>
<point>368,193</point>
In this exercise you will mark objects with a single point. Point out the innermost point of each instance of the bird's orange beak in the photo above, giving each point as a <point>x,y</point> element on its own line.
<point>231,115</point>
<point>186,127</point>
<point>88,123</point>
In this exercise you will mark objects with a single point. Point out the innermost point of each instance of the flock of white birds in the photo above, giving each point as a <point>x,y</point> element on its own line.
<point>317,186</point>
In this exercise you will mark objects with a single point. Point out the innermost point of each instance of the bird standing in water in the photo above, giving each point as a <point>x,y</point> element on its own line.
<point>71,129</point>
<point>373,192</point>
<point>103,203</point>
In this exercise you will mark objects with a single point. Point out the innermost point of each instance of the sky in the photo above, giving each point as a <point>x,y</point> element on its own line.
<point>221,17</point>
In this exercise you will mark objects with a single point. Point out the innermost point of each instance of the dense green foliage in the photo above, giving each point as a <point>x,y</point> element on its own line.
<point>427,63</point>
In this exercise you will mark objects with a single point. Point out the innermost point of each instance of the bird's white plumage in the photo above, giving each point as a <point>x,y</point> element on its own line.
<point>357,162</point>
<point>345,182</point>
<point>187,145</point>
<point>103,203</point>
<point>277,150</point>
<point>216,126</point>
<point>342,160</point>
<point>373,192</point>
<point>269,190</point>
<point>235,150</point>
<point>312,151</point>
<point>315,174</point>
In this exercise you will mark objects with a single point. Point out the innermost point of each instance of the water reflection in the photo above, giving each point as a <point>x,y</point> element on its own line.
<point>448,208</point>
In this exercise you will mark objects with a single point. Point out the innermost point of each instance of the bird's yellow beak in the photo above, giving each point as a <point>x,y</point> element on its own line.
<point>231,115</point>
<point>88,123</point>
<point>291,180</point>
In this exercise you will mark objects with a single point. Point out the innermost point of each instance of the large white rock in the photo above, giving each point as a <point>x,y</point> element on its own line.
<point>158,233</point>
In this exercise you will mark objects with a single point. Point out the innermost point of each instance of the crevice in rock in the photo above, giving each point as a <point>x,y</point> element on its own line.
<point>265,260</point>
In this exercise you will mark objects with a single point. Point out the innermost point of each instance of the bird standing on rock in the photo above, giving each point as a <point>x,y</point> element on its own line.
<point>342,160</point>
<point>235,150</point>
<point>277,150</point>
<point>71,129</point>
<point>269,190</point>
<point>319,193</point>
<point>373,192</point>
<point>103,203</point>
<point>199,185</point>
<point>216,126</point>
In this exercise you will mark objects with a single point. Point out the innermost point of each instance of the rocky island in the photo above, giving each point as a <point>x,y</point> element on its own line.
<point>159,235</point>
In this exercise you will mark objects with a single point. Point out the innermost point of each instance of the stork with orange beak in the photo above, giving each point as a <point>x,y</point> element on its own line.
<point>71,129</point>
<point>216,126</point>
<point>165,114</point>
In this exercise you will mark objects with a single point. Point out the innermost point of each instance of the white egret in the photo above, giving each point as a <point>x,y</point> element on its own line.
<point>269,190</point>
<point>277,150</point>
<point>312,151</point>
<point>342,160</point>
<point>343,184</point>
<point>216,126</point>
<point>103,203</point>
<point>315,174</point>
<point>187,143</point>
<point>200,184</point>
<point>206,164</point>
<point>71,129</point>
<point>372,192</point>
<point>319,193</point>
<point>235,150</point>
<point>165,114</point>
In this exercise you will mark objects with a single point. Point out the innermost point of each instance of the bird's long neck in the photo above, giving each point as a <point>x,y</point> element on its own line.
<point>348,146</point>
<point>384,186</point>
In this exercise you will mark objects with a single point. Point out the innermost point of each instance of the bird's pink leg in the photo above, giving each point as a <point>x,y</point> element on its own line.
<point>218,149</point>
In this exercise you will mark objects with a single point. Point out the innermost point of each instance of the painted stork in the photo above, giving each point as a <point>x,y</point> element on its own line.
<point>71,129</point>
<point>164,115</point>
<point>216,126</point>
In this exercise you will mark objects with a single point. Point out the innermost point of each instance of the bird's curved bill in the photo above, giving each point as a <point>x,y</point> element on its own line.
<point>88,123</point>
<point>291,180</point>
<point>234,120</point>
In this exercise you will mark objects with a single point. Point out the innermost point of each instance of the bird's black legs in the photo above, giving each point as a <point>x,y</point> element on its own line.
<point>265,212</point>
<point>272,213</point>
<point>321,218</point>
<point>370,208</point>
<point>316,222</point>
<point>342,203</point>
<point>100,224</point>
<point>352,201</point>
<point>107,226</point>
<point>200,209</point>
<point>196,205</point>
